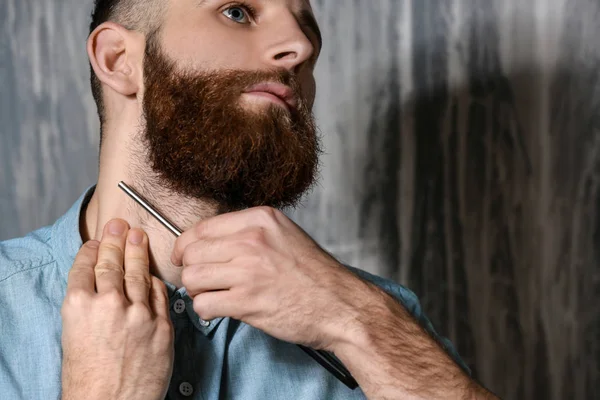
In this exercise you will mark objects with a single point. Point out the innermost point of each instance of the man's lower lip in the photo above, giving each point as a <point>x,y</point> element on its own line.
<point>270,96</point>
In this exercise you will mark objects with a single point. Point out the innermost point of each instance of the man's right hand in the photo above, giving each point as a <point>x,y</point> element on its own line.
<point>117,337</point>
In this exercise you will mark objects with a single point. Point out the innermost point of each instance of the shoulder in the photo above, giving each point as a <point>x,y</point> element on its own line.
<point>25,253</point>
<point>30,300</point>
<point>411,302</point>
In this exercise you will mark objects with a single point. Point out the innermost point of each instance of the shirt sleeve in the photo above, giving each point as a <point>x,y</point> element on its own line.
<point>411,302</point>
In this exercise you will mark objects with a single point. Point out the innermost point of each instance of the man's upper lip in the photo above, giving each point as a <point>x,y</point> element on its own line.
<point>284,92</point>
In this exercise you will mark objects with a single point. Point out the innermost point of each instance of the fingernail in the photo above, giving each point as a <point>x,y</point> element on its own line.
<point>93,244</point>
<point>135,236</point>
<point>116,227</point>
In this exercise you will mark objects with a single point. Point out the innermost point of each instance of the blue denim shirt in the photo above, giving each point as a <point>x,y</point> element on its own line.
<point>223,359</point>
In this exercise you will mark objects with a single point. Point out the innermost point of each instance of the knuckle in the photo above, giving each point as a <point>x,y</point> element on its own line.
<point>86,250</point>
<point>112,299</point>
<point>136,255</point>
<point>112,248</point>
<point>202,273</point>
<point>91,245</point>
<point>74,299</point>
<point>266,214</point>
<point>140,231</point>
<point>188,256</point>
<point>140,314</point>
<point>210,271</point>
<point>106,266</point>
<point>202,308</point>
<point>199,230</point>
<point>80,263</point>
<point>159,285</point>
<point>254,238</point>
<point>206,315</point>
<point>78,296</point>
<point>177,250</point>
<point>84,253</point>
<point>187,276</point>
<point>257,235</point>
<point>139,279</point>
<point>73,272</point>
<point>164,328</point>
<point>160,299</point>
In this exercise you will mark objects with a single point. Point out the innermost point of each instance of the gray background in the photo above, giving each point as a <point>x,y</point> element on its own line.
<point>463,160</point>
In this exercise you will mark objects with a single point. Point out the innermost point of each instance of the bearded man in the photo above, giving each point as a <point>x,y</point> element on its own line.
<point>205,108</point>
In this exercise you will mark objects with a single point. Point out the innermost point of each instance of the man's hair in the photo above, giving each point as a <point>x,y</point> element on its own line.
<point>138,15</point>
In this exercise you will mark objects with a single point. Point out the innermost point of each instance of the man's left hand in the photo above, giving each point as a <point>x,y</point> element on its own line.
<point>259,267</point>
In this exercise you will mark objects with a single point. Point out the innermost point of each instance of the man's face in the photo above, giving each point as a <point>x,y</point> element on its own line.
<point>228,92</point>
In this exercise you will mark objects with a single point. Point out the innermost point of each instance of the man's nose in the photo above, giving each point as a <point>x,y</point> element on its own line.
<point>289,47</point>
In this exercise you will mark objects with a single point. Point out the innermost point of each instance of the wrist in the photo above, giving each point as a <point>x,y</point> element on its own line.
<point>392,356</point>
<point>354,327</point>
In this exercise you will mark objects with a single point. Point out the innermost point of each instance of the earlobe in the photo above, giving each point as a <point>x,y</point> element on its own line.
<point>111,56</point>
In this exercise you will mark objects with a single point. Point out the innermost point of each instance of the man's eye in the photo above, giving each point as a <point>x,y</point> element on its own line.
<point>238,14</point>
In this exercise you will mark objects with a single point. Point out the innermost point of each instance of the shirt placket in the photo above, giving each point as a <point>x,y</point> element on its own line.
<point>184,382</point>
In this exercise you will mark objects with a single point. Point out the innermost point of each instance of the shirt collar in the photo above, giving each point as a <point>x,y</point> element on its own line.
<point>66,242</point>
<point>66,239</point>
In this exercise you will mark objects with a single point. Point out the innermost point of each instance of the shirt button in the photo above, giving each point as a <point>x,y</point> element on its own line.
<point>204,323</point>
<point>179,306</point>
<point>186,389</point>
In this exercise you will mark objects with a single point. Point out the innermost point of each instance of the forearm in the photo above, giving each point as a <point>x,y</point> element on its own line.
<point>391,356</point>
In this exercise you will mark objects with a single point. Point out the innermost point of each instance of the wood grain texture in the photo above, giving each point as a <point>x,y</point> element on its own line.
<point>463,160</point>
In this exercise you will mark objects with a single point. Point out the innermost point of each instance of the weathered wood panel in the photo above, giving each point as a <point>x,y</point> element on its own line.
<point>463,159</point>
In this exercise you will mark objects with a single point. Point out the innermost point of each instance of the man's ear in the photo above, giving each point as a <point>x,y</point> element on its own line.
<point>116,57</point>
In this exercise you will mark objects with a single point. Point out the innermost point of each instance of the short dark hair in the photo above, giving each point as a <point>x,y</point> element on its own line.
<point>139,15</point>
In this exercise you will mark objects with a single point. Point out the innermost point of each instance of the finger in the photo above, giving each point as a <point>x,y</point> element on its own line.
<point>81,275</point>
<point>211,251</point>
<point>159,298</point>
<point>137,282</point>
<point>198,279</point>
<point>109,268</point>
<point>211,305</point>
<point>224,225</point>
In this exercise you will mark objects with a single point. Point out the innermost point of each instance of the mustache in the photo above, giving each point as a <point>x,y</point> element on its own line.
<point>236,82</point>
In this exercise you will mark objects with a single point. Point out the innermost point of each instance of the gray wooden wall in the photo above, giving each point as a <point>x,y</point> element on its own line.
<point>463,160</point>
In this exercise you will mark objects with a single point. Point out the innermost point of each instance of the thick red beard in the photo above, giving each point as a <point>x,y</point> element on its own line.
<point>204,144</point>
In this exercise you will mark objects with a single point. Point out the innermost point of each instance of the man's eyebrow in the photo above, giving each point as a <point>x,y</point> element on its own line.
<point>308,20</point>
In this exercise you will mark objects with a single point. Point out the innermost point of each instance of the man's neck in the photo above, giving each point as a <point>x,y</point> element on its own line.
<point>109,202</point>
